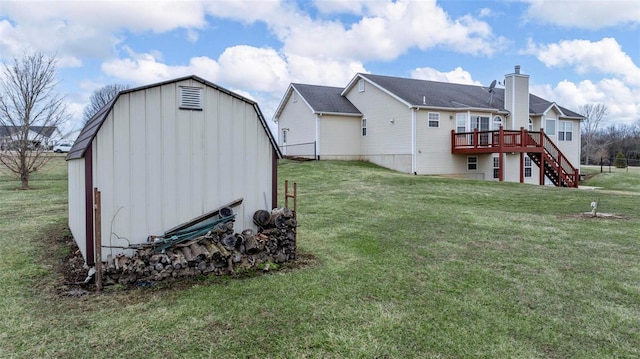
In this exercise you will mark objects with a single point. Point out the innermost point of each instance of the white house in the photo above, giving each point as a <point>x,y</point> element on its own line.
<point>164,154</point>
<point>436,128</point>
<point>38,136</point>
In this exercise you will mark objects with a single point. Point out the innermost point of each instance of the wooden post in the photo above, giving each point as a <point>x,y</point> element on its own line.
<point>522,167</point>
<point>542,154</point>
<point>288,195</point>
<point>98,238</point>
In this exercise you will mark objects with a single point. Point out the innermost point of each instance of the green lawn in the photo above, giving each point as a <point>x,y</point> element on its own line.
<point>405,267</point>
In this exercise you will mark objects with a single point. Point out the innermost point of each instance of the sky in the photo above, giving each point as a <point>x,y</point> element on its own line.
<point>576,52</point>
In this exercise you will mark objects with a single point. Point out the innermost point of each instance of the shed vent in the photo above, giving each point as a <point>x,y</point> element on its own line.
<point>190,98</point>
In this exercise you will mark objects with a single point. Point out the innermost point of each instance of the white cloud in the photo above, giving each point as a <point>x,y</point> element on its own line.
<point>457,75</point>
<point>584,14</point>
<point>258,69</point>
<point>604,56</point>
<point>341,6</point>
<point>89,28</point>
<point>485,12</point>
<point>142,69</point>
<point>328,72</point>
<point>622,101</point>
<point>248,11</point>
<point>386,31</point>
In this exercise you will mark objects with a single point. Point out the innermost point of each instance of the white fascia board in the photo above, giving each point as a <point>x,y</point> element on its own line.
<point>553,105</point>
<point>351,83</point>
<point>321,113</point>
<point>460,109</point>
<point>284,100</point>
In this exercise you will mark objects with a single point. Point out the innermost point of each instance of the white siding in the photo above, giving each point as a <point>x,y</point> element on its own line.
<point>158,166</point>
<point>77,203</point>
<point>516,101</point>
<point>433,145</point>
<point>300,121</point>
<point>387,143</point>
<point>339,137</point>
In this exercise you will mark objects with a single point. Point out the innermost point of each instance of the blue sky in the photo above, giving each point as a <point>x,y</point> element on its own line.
<point>576,52</point>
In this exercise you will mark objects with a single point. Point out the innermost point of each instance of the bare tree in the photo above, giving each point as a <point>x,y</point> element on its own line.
<point>100,98</point>
<point>29,108</point>
<point>593,113</point>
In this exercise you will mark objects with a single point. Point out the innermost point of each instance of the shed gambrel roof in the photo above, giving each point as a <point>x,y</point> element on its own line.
<point>433,94</point>
<point>320,99</point>
<point>92,126</point>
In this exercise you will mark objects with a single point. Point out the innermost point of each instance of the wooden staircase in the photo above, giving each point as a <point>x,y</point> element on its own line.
<point>536,144</point>
<point>553,163</point>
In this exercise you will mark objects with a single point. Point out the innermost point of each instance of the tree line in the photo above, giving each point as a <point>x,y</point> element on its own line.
<point>601,142</point>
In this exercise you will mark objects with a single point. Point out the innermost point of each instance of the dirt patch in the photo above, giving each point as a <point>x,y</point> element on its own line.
<point>588,215</point>
<point>60,253</point>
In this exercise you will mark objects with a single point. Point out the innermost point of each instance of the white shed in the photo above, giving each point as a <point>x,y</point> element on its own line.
<point>164,154</point>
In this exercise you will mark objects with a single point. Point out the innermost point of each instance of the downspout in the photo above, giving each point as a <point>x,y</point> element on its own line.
<point>414,166</point>
<point>317,139</point>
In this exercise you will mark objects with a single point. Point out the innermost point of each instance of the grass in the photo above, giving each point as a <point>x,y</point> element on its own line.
<point>406,267</point>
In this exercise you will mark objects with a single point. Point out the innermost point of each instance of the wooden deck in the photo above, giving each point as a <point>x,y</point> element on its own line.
<point>540,148</point>
<point>499,141</point>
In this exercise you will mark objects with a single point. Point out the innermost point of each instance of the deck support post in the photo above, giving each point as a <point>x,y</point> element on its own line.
<point>521,167</point>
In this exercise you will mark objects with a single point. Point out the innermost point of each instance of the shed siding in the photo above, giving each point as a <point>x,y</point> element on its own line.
<point>301,122</point>
<point>387,143</point>
<point>339,137</point>
<point>77,203</point>
<point>158,166</point>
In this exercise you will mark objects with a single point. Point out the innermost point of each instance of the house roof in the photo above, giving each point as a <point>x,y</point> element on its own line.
<point>45,131</point>
<point>92,126</point>
<point>432,94</point>
<point>326,99</point>
<point>320,100</point>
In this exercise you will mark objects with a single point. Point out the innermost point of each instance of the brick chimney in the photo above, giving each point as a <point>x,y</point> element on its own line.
<point>516,99</point>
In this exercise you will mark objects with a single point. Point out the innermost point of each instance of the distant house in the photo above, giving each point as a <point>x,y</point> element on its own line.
<point>38,136</point>
<point>164,154</point>
<point>435,128</point>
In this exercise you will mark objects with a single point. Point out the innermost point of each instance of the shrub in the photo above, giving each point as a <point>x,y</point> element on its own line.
<point>620,161</point>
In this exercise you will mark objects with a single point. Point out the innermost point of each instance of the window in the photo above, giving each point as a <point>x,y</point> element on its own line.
<point>461,122</point>
<point>527,166</point>
<point>361,85</point>
<point>295,97</point>
<point>497,122</point>
<point>284,136</point>
<point>472,163</point>
<point>550,126</point>
<point>530,125</point>
<point>434,119</point>
<point>496,167</point>
<point>190,98</point>
<point>364,127</point>
<point>565,129</point>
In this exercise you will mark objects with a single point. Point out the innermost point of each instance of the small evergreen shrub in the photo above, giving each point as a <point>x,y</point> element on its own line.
<point>620,161</point>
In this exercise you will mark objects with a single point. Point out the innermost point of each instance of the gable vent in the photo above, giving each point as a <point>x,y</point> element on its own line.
<point>190,98</point>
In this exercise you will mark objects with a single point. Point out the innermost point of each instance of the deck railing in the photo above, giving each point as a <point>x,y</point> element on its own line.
<point>496,139</point>
<point>516,141</point>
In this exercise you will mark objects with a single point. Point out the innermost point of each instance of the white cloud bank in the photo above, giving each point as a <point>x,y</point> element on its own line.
<point>457,75</point>
<point>621,93</point>
<point>320,48</point>
<point>592,14</point>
